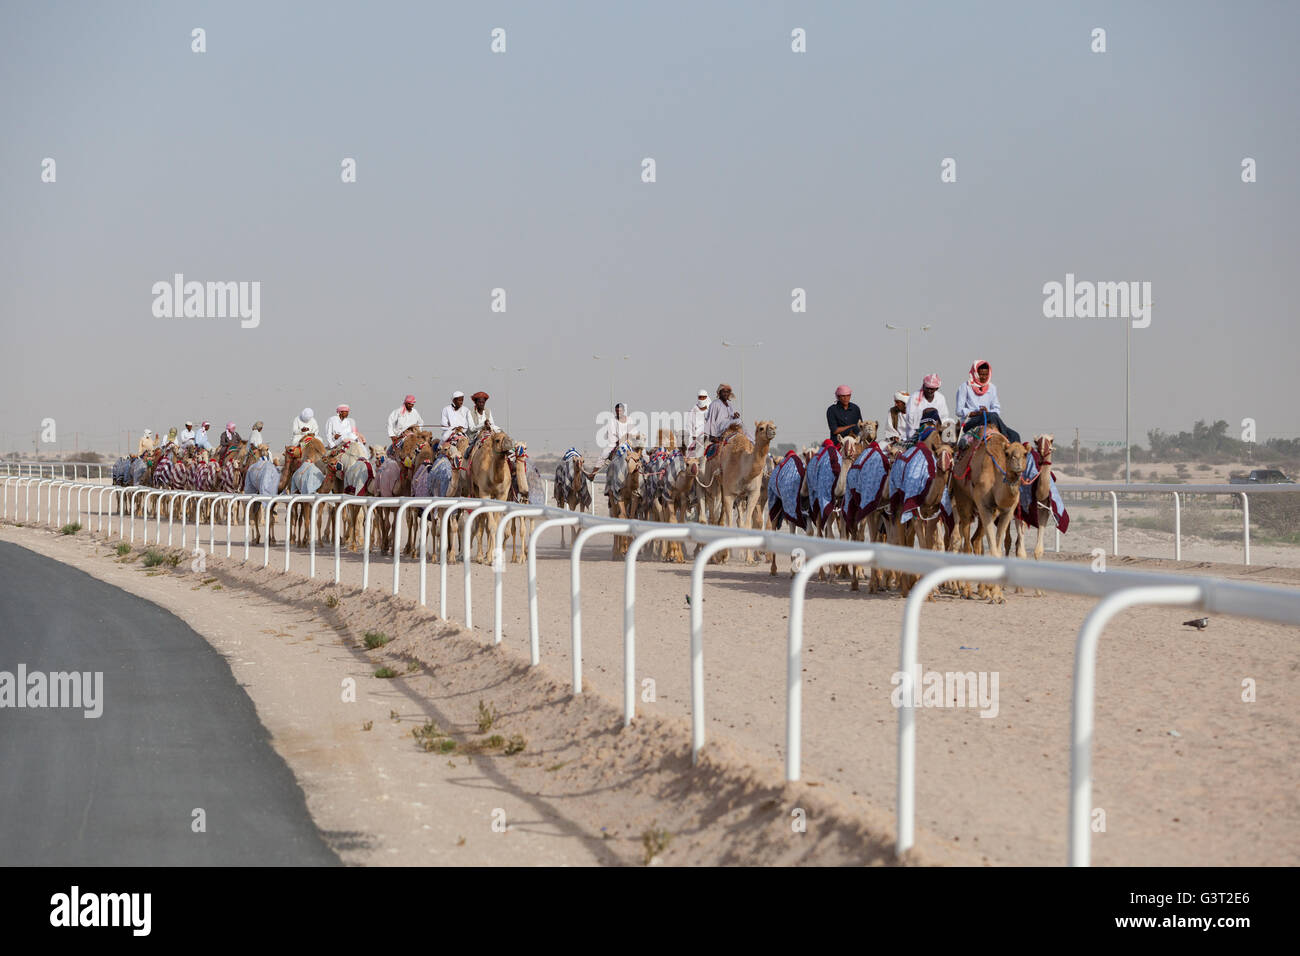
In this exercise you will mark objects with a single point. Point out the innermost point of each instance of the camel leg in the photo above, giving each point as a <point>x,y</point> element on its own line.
<point>993,532</point>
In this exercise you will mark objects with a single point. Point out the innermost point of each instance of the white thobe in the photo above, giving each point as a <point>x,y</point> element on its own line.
<point>298,427</point>
<point>453,418</point>
<point>339,430</point>
<point>915,408</point>
<point>696,432</point>
<point>400,420</point>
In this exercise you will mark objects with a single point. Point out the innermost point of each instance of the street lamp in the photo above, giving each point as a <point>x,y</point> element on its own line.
<point>508,371</point>
<point>612,360</point>
<point>907,345</point>
<point>1128,388</point>
<point>742,347</point>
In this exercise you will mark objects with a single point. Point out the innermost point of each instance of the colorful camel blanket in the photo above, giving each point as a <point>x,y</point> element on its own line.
<point>139,471</point>
<point>440,476</point>
<point>823,471</point>
<point>909,483</point>
<point>390,475</point>
<point>420,480</point>
<point>783,500</point>
<point>262,478</point>
<point>1027,511</point>
<point>358,476</point>
<point>865,481</point>
<point>567,478</point>
<point>307,479</point>
<point>121,471</point>
<point>162,473</point>
<point>617,471</point>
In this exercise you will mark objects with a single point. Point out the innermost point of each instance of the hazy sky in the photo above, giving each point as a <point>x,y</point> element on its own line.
<point>522,171</point>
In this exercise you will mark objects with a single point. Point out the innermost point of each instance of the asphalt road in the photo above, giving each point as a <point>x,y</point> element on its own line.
<point>177,733</point>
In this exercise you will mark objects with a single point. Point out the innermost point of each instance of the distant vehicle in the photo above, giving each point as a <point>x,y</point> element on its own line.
<point>1262,476</point>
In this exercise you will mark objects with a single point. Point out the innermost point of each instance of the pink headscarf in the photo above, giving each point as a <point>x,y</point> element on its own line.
<point>930,381</point>
<point>974,380</point>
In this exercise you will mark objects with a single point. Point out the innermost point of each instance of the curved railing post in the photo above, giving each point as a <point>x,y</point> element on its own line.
<point>444,533</point>
<point>1178,528</point>
<point>794,648</point>
<point>311,533</point>
<point>575,591</point>
<point>674,533</point>
<point>1114,523</point>
<point>499,565</point>
<point>288,523</point>
<point>397,536</point>
<point>1245,524</point>
<point>467,540</point>
<point>1082,703</point>
<point>433,505</point>
<point>534,640</point>
<point>371,505</point>
<point>697,630</point>
<point>909,666</point>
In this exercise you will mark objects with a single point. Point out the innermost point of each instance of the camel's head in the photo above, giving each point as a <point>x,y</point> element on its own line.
<point>502,444</point>
<point>764,430</point>
<point>1044,445</point>
<point>692,466</point>
<point>1017,454</point>
<point>850,448</point>
<point>943,459</point>
<point>868,431</point>
<point>948,431</point>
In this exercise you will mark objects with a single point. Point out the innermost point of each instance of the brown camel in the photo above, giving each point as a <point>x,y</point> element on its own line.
<point>732,479</point>
<point>987,485</point>
<point>490,477</point>
<point>924,522</point>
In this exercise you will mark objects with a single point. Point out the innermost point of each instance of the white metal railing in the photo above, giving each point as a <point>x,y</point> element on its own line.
<point>1115,489</point>
<point>54,469</point>
<point>1115,590</point>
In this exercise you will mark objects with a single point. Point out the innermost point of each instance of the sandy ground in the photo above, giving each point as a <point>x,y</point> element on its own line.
<point>1223,790</point>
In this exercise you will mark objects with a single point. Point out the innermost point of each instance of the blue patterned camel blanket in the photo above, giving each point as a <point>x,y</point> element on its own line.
<point>1027,510</point>
<point>866,479</point>
<point>784,502</point>
<point>823,471</point>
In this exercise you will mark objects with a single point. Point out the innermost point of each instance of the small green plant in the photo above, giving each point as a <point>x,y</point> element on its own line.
<point>71,527</point>
<point>448,746</point>
<point>487,716</point>
<point>123,549</point>
<point>655,840</point>
<point>376,639</point>
<point>495,742</point>
<point>515,745</point>
<point>555,767</point>
<point>153,557</point>
<point>216,587</point>
<point>332,601</point>
<point>173,560</point>
<point>385,672</point>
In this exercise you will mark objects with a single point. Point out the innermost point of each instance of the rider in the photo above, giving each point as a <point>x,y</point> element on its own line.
<point>255,436</point>
<point>696,436</point>
<point>400,419</point>
<point>147,442</point>
<point>341,428</point>
<point>201,439</point>
<point>187,436</point>
<point>977,402</point>
<point>479,417</point>
<point>455,416</point>
<point>229,437</point>
<point>895,420</point>
<point>843,417</point>
<point>304,426</point>
<point>722,414</point>
<point>928,396</point>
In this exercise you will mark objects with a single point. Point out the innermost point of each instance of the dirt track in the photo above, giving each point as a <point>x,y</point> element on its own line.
<point>1224,791</point>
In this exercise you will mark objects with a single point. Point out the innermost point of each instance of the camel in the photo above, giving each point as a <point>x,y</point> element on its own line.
<point>681,494</point>
<point>1040,499</point>
<point>573,487</point>
<point>491,476</point>
<point>732,478</point>
<point>787,497</point>
<point>520,527</point>
<point>987,485</point>
<point>623,490</point>
<point>262,478</point>
<point>867,509</point>
<point>919,517</point>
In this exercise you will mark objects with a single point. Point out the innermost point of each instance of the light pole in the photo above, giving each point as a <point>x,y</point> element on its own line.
<point>508,371</point>
<point>612,360</point>
<point>907,349</point>
<point>738,345</point>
